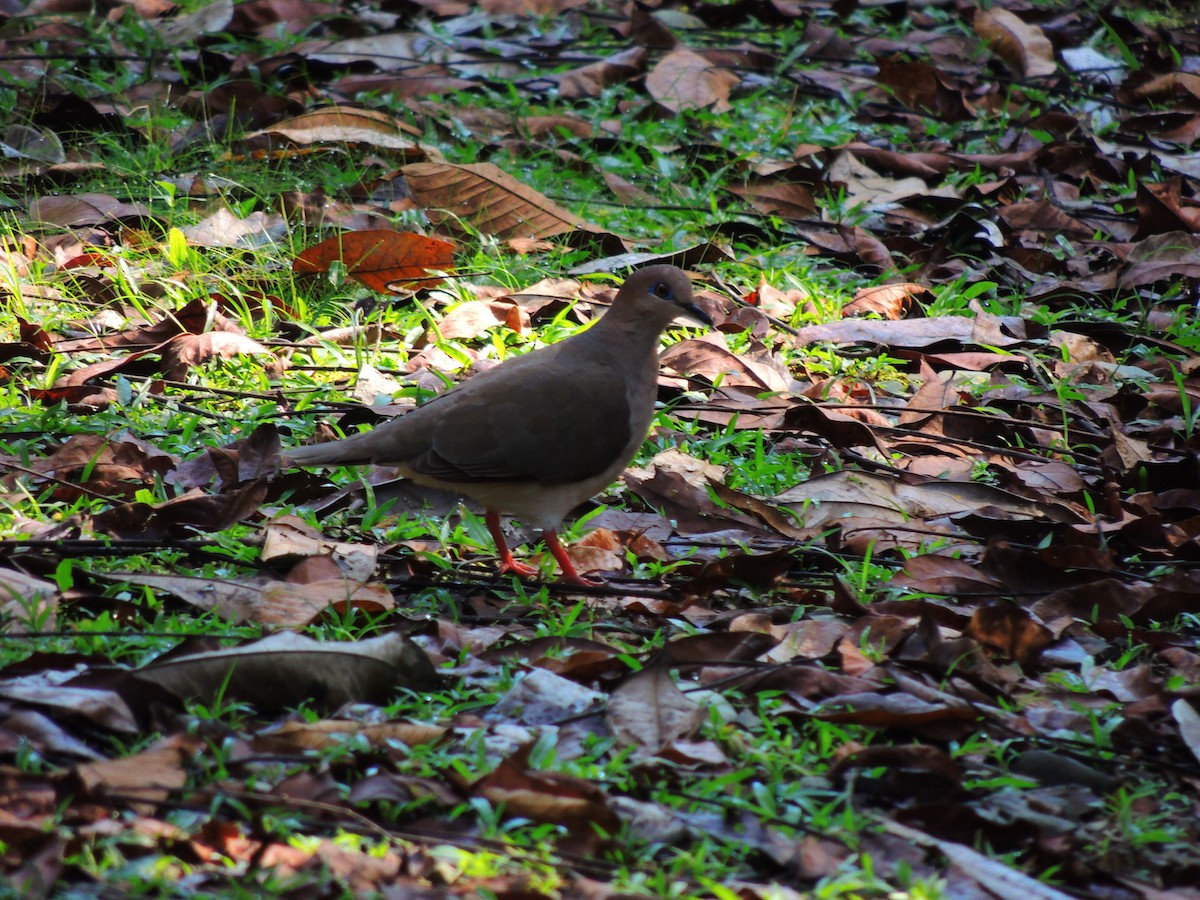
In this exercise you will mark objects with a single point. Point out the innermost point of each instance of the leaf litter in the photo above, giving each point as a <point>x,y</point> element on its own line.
<point>977,607</point>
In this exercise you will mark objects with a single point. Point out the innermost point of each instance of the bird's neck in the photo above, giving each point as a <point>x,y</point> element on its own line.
<point>624,339</point>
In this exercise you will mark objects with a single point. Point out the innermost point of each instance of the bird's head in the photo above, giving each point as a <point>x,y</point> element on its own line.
<point>660,293</point>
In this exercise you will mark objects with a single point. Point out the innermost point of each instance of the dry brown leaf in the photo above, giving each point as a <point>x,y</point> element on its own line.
<point>289,539</point>
<point>146,778</point>
<point>649,711</point>
<point>71,210</point>
<point>25,142</point>
<point>329,733</point>
<point>187,351</point>
<point>918,333</point>
<point>590,80</point>
<point>777,197</point>
<point>564,800</point>
<point>888,301</point>
<point>115,468</point>
<point>483,197</point>
<point>1024,48</point>
<point>1011,630</point>
<point>288,669</point>
<point>345,125</point>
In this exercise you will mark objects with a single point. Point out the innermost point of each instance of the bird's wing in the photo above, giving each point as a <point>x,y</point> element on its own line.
<point>552,425</point>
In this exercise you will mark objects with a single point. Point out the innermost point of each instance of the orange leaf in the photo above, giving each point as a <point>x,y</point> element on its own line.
<point>382,260</point>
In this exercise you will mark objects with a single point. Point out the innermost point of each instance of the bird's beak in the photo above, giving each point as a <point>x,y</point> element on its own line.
<point>691,309</point>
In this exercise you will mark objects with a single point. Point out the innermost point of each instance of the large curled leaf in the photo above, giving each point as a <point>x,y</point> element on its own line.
<point>287,669</point>
<point>1024,48</point>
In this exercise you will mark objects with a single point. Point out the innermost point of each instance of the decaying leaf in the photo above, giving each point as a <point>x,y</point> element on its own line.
<point>287,669</point>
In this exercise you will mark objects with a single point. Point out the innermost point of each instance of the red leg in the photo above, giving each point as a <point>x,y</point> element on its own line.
<point>569,575</point>
<point>507,562</point>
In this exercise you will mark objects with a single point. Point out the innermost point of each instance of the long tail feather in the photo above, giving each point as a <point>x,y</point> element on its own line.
<point>352,451</point>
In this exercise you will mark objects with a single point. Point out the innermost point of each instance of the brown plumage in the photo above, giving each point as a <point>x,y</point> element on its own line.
<point>541,433</point>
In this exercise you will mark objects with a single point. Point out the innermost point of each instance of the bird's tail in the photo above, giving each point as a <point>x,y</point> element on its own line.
<point>352,451</point>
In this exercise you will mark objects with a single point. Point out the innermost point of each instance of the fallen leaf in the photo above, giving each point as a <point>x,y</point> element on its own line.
<point>1024,48</point>
<point>487,199</point>
<point>288,669</point>
<point>382,260</point>
<point>683,79</point>
<point>649,711</point>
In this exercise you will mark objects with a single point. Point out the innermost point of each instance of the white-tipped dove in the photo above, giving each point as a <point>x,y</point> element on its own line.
<point>540,433</point>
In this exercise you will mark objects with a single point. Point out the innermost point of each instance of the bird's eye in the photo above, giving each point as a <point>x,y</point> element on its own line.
<point>661,289</point>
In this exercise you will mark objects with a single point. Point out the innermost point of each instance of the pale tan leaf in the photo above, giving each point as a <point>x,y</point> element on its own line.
<point>389,52</point>
<point>838,495</point>
<point>346,125</point>
<point>686,80</point>
<point>279,603</point>
<point>291,605</point>
<point>289,539</point>
<point>48,690</point>
<point>1169,86</point>
<point>999,879</point>
<point>224,229</point>
<point>327,733</point>
<point>150,776</point>
<point>232,600</point>
<point>539,8</point>
<point>470,319</point>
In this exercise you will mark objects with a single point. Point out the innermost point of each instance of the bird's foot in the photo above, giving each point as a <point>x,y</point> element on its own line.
<point>512,566</point>
<point>576,580</point>
<point>570,576</point>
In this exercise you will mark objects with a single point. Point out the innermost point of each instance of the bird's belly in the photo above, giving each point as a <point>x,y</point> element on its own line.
<point>541,506</point>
